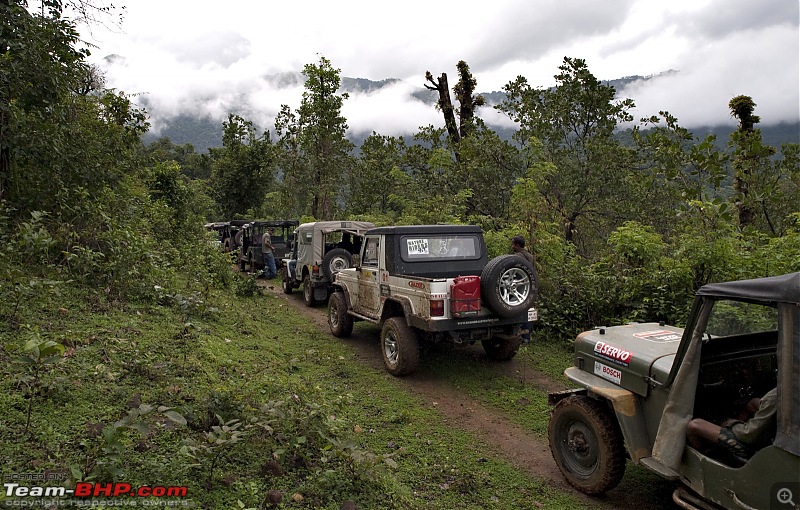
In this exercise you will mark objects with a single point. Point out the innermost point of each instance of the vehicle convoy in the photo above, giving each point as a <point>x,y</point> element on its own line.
<point>321,249</point>
<point>641,384</point>
<point>226,232</point>
<point>430,283</point>
<point>252,254</point>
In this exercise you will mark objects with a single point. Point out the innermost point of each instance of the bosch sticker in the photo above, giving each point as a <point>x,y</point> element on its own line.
<point>612,354</point>
<point>658,335</point>
<point>608,373</point>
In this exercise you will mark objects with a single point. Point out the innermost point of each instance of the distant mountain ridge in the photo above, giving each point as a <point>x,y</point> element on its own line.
<point>204,132</point>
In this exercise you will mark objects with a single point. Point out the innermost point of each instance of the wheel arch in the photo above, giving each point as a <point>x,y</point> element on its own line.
<point>396,308</point>
<point>343,289</point>
<point>625,404</point>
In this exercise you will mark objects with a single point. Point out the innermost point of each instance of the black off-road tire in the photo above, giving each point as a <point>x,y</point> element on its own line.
<point>587,444</point>
<point>399,347</point>
<point>286,283</point>
<point>501,349</point>
<point>334,261</point>
<point>509,285</point>
<point>308,292</point>
<point>340,322</point>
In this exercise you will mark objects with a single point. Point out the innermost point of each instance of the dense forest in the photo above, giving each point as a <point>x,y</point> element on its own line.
<point>624,226</point>
<point>132,352</point>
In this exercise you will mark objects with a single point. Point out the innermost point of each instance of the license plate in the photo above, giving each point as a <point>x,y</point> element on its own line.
<point>533,314</point>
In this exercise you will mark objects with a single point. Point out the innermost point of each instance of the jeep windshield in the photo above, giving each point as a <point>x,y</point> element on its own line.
<point>419,248</point>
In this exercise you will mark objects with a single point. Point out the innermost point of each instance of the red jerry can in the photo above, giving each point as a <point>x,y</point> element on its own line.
<point>465,296</point>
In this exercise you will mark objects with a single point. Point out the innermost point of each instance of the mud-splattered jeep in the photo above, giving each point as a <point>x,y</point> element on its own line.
<point>640,386</point>
<point>434,283</point>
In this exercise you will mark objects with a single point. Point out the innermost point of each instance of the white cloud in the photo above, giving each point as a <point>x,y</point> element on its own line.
<point>192,57</point>
<point>390,110</point>
<point>730,66</point>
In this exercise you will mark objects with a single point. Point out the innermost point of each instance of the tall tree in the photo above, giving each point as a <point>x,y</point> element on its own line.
<point>323,135</point>
<point>241,170</point>
<point>371,182</point>
<point>750,156</point>
<point>575,121</point>
<point>465,95</point>
<point>467,100</point>
<point>444,104</point>
<point>39,65</point>
<point>295,183</point>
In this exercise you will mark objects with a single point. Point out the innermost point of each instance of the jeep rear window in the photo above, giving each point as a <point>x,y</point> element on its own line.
<point>417,248</point>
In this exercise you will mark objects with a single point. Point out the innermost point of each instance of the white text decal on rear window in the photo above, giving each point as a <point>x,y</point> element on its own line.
<point>417,246</point>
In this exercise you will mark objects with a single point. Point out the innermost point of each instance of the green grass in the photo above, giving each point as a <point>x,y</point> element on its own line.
<point>338,428</point>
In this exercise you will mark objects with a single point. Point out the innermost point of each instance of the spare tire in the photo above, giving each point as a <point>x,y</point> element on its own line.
<point>334,261</point>
<point>509,285</point>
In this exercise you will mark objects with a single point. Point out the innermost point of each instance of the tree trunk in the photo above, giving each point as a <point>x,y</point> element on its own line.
<point>569,227</point>
<point>5,151</point>
<point>746,213</point>
<point>445,104</point>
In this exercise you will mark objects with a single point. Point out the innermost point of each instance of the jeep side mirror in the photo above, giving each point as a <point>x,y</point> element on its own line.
<point>355,260</point>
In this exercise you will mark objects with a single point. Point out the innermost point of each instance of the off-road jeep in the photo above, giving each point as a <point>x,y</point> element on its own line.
<point>431,283</point>
<point>321,249</point>
<point>281,238</point>
<point>233,238</point>
<point>641,384</point>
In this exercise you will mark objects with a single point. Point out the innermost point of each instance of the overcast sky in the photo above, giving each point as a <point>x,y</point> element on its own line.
<point>197,56</point>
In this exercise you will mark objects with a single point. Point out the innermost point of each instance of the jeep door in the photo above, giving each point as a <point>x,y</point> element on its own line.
<point>368,295</point>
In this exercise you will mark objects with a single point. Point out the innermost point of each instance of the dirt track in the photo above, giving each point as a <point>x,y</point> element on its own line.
<point>521,448</point>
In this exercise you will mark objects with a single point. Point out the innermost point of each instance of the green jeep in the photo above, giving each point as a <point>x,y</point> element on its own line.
<point>640,386</point>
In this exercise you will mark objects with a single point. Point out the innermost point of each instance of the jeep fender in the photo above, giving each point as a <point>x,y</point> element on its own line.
<point>625,404</point>
<point>343,289</point>
<point>392,306</point>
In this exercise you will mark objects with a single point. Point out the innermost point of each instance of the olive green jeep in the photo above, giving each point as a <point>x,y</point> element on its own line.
<point>641,385</point>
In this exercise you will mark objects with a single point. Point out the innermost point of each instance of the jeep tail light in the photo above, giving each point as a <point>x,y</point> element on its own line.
<point>315,270</point>
<point>437,308</point>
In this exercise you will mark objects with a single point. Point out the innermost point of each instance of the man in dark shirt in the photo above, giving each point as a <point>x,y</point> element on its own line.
<point>518,245</point>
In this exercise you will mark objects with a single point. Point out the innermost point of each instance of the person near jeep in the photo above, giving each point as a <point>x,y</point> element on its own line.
<point>739,437</point>
<point>518,247</point>
<point>270,271</point>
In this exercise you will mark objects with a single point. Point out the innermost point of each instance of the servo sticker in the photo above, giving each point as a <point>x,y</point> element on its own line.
<point>608,373</point>
<point>612,354</point>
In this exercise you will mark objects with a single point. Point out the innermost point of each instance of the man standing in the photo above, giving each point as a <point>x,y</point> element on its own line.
<point>270,271</point>
<point>518,246</point>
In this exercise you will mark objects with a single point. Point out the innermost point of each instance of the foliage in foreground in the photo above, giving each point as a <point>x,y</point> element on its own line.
<point>238,399</point>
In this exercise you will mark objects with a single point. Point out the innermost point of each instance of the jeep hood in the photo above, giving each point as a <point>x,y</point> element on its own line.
<point>628,355</point>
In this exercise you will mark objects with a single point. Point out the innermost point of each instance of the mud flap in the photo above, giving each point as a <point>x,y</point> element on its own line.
<point>320,294</point>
